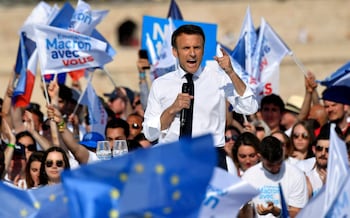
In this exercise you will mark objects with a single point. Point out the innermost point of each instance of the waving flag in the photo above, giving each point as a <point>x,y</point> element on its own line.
<point>246,44</point>
<point>97,112</point>
<point>145,182</point>
<point>174,11</point>
<point>226,194</point>
<point>338,166</point>
<point>166,62</point>
<point>63,51</point>
<point>339,77</point>
<point>268,54</point>
<point>284,206</point>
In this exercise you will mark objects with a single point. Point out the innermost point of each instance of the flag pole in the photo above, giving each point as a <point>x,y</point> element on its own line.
<point>81,95</point>
<point>109,76</point>
<point>45,89</point>
<point>299,64</point>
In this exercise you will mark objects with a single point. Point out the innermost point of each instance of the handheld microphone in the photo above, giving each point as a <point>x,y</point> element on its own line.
<point>185,89</point>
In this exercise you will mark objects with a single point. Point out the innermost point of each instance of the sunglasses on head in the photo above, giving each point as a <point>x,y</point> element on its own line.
<point>30,147</point>
<point>321,148</point>
<point>135,126</point>
<point>228,138</point>
<point>303,135</point>
<point>49,163</point>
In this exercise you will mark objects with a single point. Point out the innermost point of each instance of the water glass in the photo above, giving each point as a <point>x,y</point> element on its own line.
<point>103,150</point>
<point>120,147</point>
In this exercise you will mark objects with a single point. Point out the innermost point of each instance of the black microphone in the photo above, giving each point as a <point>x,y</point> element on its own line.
<point>185,89</point>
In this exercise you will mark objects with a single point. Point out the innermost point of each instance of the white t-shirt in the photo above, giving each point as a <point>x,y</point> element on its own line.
<point>304,165</point>
<point>315,181</point>
<point>292,180</point>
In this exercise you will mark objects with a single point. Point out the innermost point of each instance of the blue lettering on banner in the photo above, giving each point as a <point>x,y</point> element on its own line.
<point>211,199</point>
<point>67,44</point>
<point>82,17</point>
<point>218,191</point>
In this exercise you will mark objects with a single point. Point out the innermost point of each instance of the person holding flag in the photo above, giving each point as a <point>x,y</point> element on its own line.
<point>211,89</point>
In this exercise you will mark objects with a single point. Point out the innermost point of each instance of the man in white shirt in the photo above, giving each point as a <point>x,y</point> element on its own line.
<point>211,87</point>
<point>266,176</point>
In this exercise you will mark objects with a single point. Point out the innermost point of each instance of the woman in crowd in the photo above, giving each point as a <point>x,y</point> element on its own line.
<point>33,169</point>
<point>53,163</point>
<point>245,153</point>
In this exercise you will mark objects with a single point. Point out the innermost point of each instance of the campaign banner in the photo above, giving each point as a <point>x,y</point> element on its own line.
<point>63,51</point>
<point>156,28</point>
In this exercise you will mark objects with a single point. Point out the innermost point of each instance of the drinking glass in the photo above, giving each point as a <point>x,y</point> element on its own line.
<point>120,147</point>
<point>103,150</point>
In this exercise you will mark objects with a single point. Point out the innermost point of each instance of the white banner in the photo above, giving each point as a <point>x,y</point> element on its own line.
<point>63,51</point>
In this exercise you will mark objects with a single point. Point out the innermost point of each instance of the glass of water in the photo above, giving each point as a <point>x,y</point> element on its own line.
<point>103,150</point>
<point>120,147</point>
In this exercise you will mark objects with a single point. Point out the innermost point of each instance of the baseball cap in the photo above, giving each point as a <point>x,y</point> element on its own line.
<point>338,94</point>
<point>90,139</point>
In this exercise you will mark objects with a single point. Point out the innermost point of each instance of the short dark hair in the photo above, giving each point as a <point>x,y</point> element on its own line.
<point>271,149</point>
<point>118,123</point>
<point>189,29</point>
<point>272,99</point>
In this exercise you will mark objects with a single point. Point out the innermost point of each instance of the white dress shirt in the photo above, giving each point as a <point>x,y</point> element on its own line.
<point>211,89</point>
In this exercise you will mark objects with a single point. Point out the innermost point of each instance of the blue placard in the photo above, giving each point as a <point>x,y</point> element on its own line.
<point>156,26</point>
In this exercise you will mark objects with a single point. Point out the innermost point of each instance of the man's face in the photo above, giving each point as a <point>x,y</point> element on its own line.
<point>189,51</point>
<point>272,167</point>
<point>118,105</point>
<point>115,134</point>
<point>335,111</point>
<point>272,115</point>
<point>321,153</point>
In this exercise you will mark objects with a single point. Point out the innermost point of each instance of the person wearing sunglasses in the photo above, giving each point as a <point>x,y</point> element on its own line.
<point>135,123</point>
<point>27,141</point>
<point>53,163</point>
<point>302,137</point>
<point>317,176</point>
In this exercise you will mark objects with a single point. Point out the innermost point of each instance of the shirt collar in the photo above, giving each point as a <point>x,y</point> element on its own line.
<point>196,75</point>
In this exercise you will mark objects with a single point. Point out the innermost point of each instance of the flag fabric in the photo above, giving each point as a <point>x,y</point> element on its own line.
<point>226,194</point>
<point>48,201</point>
<point>248,36</point>
<point>238,52</point>
<point>166,62</point>
<point>174,11</point>
<point>61,78</point>
<point>97,113</point>
<point>340,206</point>
<point>340,77</point>
<point>268,54</point>
<point>26,66</point>
<point>284,206</point>
<point>338,167</point>
<point>314,208</point>
<point>164,181</point>
<point>63,51</point>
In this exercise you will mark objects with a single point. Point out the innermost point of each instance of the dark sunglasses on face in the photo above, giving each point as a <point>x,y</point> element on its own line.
<point>228,138</point>
<point>49,163</point>
<point>30,147</point>
<point>321,148</point>
<point>135,126</point>
<point>303,135</point>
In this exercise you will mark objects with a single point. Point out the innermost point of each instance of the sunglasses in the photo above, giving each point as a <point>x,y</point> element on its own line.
<point>234,138</point>
<point>49,163</point>
<point>303,135</point>
<point>320,148</point>
<point>30,147</point>
<point>135,126</point>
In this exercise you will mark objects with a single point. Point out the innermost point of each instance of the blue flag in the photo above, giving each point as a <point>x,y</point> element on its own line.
<point>48,201</point>
<point>339,77</point>
<point>284,206</point>
<point>164,181</point>
<point>174,11</point>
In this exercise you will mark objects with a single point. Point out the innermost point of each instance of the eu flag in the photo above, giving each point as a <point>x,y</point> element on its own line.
<point>164,181</point>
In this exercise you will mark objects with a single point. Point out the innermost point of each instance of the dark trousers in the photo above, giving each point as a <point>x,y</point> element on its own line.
<point>221,158</point>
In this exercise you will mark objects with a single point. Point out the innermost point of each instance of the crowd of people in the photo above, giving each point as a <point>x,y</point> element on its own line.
<point>265,143</point>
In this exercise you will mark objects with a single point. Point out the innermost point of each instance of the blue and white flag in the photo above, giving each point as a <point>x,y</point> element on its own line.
<point>166,61</point>
<point>338,168</point>
<point>340,77</point>
<point>226,194</point>
<point>97,113</point>
<point>314,207</point>
<point>63,51</point>
<point>268,54</point>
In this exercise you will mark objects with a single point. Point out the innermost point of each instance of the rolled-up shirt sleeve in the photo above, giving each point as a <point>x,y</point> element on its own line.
<point>245,104</point>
